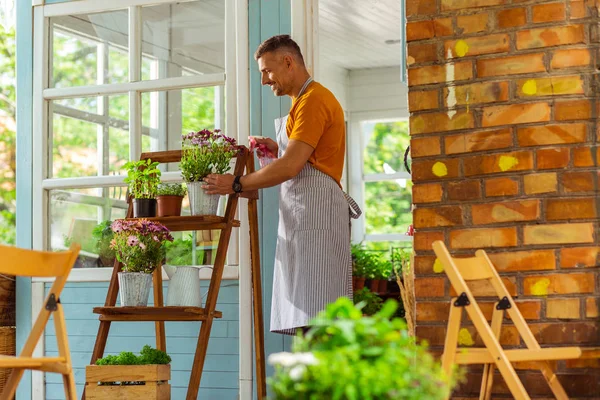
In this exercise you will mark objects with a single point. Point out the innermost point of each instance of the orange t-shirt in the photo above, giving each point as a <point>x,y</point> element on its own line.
<point>317,119</point>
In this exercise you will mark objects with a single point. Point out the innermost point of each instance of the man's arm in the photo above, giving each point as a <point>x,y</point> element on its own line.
<point>280,170</point>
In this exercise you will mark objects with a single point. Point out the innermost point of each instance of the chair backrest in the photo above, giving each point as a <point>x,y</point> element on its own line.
<point>23,262</point>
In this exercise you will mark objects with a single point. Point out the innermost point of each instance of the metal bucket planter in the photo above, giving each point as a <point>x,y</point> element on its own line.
<point>200,202</point>
<point>184,286</point>
<point>134,288</point>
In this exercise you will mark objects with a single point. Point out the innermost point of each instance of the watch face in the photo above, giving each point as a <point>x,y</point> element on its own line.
<point>237,187</point>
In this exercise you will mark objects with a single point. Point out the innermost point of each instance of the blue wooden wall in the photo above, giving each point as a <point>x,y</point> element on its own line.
<point>220,376</point>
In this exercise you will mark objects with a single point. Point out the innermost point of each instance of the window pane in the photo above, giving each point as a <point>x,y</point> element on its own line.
<point>89,49</point>
<point>188,36</point>
<point>80,215</point>
<point>384,146</point>
<point>388,206</point>
<point>86,143</point>
<point>182,252</point>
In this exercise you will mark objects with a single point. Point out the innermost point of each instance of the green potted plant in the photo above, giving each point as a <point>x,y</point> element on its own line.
<point>128,376</point>
<point>103,235</point>
<point>203,153</point>
<point>169,198</point>
<point>139,246</point>
<point>143,178</point>
<point>370,302</point>
<point>358,267</point>
<point>345,355</point>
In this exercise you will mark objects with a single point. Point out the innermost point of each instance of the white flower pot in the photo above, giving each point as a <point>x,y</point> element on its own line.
<point>200,202</point>
<point>134,288</point>
<point>184,286</point>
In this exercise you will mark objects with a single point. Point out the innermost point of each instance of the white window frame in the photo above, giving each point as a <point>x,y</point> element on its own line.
<point>235,85</point>
<point>357,178</point>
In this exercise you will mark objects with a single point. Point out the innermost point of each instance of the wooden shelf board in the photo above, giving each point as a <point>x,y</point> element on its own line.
<point>193,223</point>
<point>167,313</point>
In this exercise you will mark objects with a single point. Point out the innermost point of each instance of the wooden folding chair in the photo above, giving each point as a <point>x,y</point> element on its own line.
<point>32,263</point>
<point>461,270</point>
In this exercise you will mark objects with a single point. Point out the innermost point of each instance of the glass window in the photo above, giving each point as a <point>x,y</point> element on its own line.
<point>89,49</point>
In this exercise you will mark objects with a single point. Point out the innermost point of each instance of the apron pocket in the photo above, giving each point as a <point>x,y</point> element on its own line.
<point>312,208</point>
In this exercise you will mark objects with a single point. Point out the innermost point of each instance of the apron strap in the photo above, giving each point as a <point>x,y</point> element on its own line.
<point>355,210</point>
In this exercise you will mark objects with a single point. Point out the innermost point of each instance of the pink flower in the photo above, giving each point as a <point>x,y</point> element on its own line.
<point>142,246</point>
<point>132,240</point>
<point>155,238</point>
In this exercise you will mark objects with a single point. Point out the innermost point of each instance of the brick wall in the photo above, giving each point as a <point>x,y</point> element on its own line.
<point>502,96</point>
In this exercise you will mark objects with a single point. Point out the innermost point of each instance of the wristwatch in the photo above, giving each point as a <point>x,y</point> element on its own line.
<point>237,186</point>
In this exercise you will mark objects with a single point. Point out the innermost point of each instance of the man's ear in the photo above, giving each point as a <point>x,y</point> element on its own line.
<point>288,60</point>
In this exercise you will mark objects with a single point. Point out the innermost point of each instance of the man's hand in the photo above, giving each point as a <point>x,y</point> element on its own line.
<point>219,184</point>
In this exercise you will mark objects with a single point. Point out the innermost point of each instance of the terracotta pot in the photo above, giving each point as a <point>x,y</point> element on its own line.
<point>358,282</point>
<point>144,208</point>
<point>169,206</point>
<point>374,286</point>
<point>383,284</point>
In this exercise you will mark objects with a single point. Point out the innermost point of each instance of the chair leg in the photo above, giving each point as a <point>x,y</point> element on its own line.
<point>451,342</point>
<point>553,382</point>
<point>69,386</point>
<point>488,370</point>
<point>60,327</point>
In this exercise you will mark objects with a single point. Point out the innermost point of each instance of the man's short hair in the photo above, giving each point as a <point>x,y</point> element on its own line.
<point>279,42</point>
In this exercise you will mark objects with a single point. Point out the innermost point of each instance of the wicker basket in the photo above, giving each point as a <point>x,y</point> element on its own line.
<point>7,348</point>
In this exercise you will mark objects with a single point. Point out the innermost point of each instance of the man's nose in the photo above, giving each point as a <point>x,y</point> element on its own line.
<point>263,79</point>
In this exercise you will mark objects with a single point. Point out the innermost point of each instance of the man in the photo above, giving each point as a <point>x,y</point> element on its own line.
<point>313,264</point>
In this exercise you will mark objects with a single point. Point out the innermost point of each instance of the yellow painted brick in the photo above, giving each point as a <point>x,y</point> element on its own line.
<point>540,183</point>
<point>551,36</point>
<point>440,122</point>
<point>424,170</point>
<point>495,163</point>
<point>515,114</point>
<point>475,93</point>
<point>553,86</point>
<point>479,45</point>
<point>558,233</point>
<point>549,284</point>
<point>562,308</point>
<point>437,73</point>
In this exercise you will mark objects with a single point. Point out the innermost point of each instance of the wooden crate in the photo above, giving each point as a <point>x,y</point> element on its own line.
<point>155,377</point>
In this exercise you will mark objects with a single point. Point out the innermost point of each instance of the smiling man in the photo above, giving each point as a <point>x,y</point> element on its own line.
<point>313,264</point>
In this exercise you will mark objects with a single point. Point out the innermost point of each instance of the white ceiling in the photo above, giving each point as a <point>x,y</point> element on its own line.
<point>352,33</point>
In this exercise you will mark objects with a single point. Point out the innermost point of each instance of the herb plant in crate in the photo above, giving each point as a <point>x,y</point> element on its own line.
<point>203,153</point>
<point>169,199</point>
<point>143,178</point>
<point>139,245</point>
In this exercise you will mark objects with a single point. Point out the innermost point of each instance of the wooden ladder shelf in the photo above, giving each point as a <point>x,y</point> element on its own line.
<point>160,313</point>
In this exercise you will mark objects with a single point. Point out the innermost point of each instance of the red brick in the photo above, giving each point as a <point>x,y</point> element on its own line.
<point>572,110</point>
<point>529,260</point>
<point>437,216</point>
<point>542,285</point>
<point>582,157</point>
<point>540,183</point>
<point>432,310</point>
<point>509,211</point>
<point>515,114</point>
<point>495,163</point>
<point>575,182</point>
<point>483,288</point>
<point>430,287</point>
<point>511,18</point>
<point>483,238</point>
<point>423,240</point>
<point>570,58</point>
<point>421,53</point>
<point>423,147</point>
<point>552,134</point>
<point>553,86</point>
<point>501,187</point>
<point>548,12</point>
<point>426,193</point>
<point>568,209</point>
<point>591,308</point>
<point>575,257</point>
<point>462,4</point>
<point>430,169</point>
<point>424,264</point>
<point>558,233</point>
<point>501,66</point>
<point>420,7</point>
<point>578,9</point>
<point>485,92</point>
<point>440,122</point>
<point>423,100</point>
<point>464,190</point>
<point>580,333</point>
<point>478,141</point>
<point>443,27</point>
<point>552,158</point>
<point>419,30</point>
<point>554,36</point>
<point>473,23</point>
<point>478,45</point>
<point>437,73</point>
<point>562,308</point>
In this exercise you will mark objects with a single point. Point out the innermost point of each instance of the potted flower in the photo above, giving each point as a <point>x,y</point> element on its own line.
<point>203,153</point>
<point>139,246</point>
<point>143,178</point>
<point>169,198</point>
<point>103,235</point>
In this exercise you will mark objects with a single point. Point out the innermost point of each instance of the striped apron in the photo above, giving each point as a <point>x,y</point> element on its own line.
<point>313,264</point>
